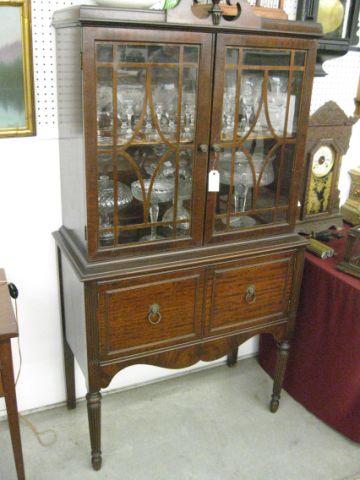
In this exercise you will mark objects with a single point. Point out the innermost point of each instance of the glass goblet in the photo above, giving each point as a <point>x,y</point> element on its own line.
<point>162,192</point>
<point>243,181</point>
<point>277,100</point>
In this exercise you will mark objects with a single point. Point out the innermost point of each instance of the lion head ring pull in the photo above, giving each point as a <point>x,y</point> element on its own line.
<point>154,315</point>
<point>250,296</point>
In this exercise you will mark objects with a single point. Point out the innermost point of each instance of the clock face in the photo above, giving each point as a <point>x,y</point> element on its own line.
<point>323,161</point>
<point>322,172</point>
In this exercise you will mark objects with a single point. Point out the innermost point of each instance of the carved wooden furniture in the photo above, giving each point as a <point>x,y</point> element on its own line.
<point>9,330</point>
<point>351,262</point>
<point>273,9</point>
<point>194,268</point>
<point>328,140</point>
<point>350,211</point>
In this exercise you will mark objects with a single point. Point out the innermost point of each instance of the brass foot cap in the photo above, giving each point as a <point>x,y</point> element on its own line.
<point>274,405</point>
<point>96,461</point>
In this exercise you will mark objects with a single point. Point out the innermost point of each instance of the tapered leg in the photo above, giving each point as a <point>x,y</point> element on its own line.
<point>8,382</point>
<point>94,414</point>
<point>232,357</point>
<point>282,357</point>
<point>68,354</point>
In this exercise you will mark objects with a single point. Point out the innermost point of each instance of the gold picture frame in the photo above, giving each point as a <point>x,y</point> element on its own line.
<point>17,111</point>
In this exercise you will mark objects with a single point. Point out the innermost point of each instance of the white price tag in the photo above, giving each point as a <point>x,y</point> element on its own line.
<point>214,181</point>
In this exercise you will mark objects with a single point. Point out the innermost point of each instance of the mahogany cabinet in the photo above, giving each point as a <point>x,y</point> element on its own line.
<point>182,150</point>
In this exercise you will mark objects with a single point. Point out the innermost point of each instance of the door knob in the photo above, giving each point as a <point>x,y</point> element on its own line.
<point>203,148</point>
<point>216,148</point>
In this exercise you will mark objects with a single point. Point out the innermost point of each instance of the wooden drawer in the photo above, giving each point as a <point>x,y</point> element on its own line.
<point>126,324</point>
<point>248,293</point>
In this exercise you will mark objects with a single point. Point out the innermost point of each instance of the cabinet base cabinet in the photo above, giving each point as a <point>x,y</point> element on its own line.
<point>174,319</point>
<point>182,139</point>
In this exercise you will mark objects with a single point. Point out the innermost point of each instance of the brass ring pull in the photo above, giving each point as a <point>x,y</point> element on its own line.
<point>250,296</point>
<point>154,315</point>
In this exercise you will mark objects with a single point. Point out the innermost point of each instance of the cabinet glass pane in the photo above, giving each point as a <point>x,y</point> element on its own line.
<point>147,109</point>
<point>261,98</point>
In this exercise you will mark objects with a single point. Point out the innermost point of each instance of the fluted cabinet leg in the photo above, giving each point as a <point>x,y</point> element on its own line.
<point>282,357</point>
<point>94,413</point>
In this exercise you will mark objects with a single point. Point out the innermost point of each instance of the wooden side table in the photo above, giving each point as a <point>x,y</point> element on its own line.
<point>9,330</point>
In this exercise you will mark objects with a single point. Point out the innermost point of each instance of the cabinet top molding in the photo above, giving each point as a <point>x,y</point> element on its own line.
<point>192,16</point>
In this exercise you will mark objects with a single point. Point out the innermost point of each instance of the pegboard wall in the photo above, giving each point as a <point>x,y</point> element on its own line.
<point>44,58</point>
<point>339,85</point>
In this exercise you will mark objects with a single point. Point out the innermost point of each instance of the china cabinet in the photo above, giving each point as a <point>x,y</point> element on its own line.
<point>182,140</point>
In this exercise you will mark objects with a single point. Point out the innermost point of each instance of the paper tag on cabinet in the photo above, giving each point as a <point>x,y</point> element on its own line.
<point>214,181</point>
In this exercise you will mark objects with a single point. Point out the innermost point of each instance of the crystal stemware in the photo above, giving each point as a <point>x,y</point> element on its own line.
<point>171,120</point>
<point>277,99</point>
<point>162,192</point>
<point>228,115</point>
<point>188,124</point>
<point>104,126</point>
<point>148,129</point>
<point>247,102</point>
<point>184,193</point>
<point>106,204</point>
<point>243,180</point>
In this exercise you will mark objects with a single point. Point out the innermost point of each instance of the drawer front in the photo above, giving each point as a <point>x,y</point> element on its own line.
<point>149,313</point>
<point>245,294</point>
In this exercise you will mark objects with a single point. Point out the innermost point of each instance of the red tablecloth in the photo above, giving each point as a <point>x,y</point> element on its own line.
<point>323,372</point>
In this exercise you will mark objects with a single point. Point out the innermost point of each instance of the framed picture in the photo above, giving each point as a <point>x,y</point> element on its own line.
<point>17,114</point>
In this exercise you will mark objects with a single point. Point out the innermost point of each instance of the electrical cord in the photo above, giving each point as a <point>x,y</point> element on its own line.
<point>14,294</point>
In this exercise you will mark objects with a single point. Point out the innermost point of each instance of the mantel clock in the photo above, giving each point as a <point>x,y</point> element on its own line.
<point>328,140</point>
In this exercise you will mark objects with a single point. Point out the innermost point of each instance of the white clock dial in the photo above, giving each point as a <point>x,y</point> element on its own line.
<point>323,161</point>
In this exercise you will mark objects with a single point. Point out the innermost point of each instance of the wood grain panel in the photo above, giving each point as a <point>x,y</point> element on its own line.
<point>227,289</point>
<point>184,356</point>
<point>123,311</point>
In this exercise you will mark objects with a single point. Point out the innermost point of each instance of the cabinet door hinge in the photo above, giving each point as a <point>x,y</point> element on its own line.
<point>81,60</point>
<point>85,232</point>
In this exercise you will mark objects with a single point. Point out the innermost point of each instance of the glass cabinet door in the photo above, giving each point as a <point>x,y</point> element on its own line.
<point>258,92</point>
<point>148,109</point>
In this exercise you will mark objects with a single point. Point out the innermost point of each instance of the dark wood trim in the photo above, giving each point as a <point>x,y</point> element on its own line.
<point>8,383</point>
<point>97,16</point>
<point>119,268</point>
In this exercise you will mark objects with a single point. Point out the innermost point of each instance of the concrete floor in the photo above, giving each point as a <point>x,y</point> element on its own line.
<point>209,425</point>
